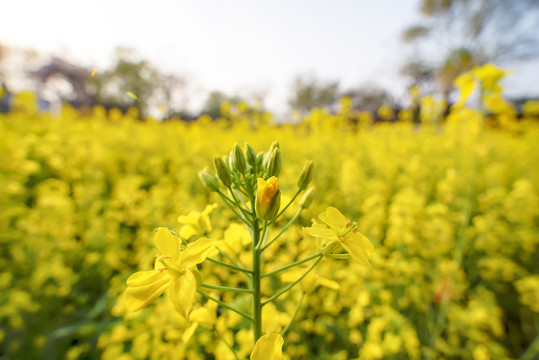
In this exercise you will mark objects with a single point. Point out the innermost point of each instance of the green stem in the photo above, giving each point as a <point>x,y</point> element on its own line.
<point>263,234</point>
<point>227,344</point>
<point>226,256</point>
<point>244,204</point>
<point>257,305</point>
<point>225,305</point>
<point>293,316</point>
<point>225,288</point>
<point>226,200</point>
<point>282,291</point>
<point>283,229</point>
<point>299,262</point>
<point>286,207</point>
<point>229,266</point>
<point>239,201</point>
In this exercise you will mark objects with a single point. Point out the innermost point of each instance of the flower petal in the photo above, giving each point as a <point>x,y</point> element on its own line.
<point>268,347</point>
<point>167,243</point>
<point>143,287</point>
<point>182,292</point>
<point>321,232</point>
<point>333,218</point>
<point>196,252</point>
<point>188,231</point>
<point>366,244</point>
<point>191,219</point>
<point>189,332</point>
<point>203,316</point>
<point>355,249</point>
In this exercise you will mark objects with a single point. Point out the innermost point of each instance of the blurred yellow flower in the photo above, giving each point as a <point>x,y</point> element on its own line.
<point>196,223</point>
<point>489,75</point>
<point>341,233</point>
<point>268,347</point>
<point>466,85</point>
<point>175,270</point>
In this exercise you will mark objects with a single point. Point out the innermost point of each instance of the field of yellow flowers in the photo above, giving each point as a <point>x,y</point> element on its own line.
<point>452,210</point>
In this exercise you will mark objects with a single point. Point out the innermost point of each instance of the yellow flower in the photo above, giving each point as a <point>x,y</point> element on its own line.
<point>174,270</point>
<point>268,198</point>
<point>196,223</point>
<point>489,75</point>
<point>205,316</point>
<point>342,233</point>
<point>466,85</point>
<point>268,347</point>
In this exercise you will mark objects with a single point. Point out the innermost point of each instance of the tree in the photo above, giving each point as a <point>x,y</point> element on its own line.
<point>212,105</point>
<point>369,98</point>
<point>130,74</point>
<point>458,34</point>
<point>309,93</point>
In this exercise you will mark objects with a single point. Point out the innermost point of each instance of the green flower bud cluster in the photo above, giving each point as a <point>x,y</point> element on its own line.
<point>242,167</point>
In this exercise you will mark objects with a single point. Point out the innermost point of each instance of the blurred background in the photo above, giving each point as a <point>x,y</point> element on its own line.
<point>184,58</point>
<point>109,109</point>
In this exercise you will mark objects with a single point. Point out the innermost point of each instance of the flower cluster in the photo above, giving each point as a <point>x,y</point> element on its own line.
<point>450,205</point>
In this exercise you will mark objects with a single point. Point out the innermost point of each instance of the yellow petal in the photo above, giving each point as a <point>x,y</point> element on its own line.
<point>365,243</point>
<point>167,243</point>
<point>333,285</point>
<point>144,287</point>
<point>192,219</point>
<point>466,85</point>
<point>203,316</point>
<point>321,232</point>
<point>196,252</point>
<point>333,218</point>
<point>189,332</point>
<point>209,208</point>
<point>268,347</point>
<point>188,231</point>
<point>355,250</point>
<point>182,292</point>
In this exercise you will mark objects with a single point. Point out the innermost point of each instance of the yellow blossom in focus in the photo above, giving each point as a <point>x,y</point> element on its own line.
<point>174,270</point>
<point>268,198</point>
<point>268,347</point>
<point>342,233</point>
<point>196,223</point>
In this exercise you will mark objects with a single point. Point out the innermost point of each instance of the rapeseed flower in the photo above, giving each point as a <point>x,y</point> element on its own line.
<point>268,198</point>
<point>342,233</point>
<point>268,347</point>
<point>174,270</point>
<point>196,223</point>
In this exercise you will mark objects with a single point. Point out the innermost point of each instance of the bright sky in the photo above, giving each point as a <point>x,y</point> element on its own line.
<point>239,46</point>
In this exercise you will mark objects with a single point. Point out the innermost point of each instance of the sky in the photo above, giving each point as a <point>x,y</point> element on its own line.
<point>237,46</point>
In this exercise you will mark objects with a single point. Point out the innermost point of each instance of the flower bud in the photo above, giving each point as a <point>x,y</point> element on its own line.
<point>308,197</point>
<point>208,180</point>
<point>268,198</point>
<point>251,155</point>
<point>260,160</point>
<point>274,164</point>
<point>306,175</point>
<point>238,159</point>
<point>229,160</point>
<point>222,171</point>
<point>274,145</point>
